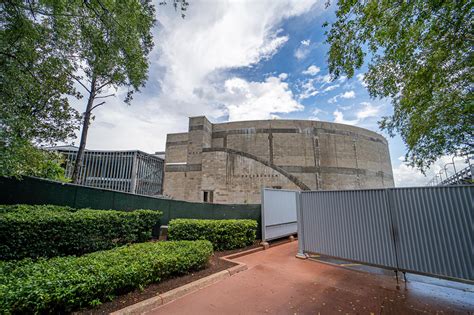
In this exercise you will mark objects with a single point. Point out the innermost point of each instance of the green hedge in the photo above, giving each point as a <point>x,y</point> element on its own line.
<point>62,284</point>
<point>223,234</point>
<point>48,231</point>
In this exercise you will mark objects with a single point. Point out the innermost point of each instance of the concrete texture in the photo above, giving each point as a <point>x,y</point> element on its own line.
<point>278,283</point>
<point>235,160</point>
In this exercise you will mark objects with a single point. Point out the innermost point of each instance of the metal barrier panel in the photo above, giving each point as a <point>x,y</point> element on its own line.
<point>352,225</point>
<point>435,230</point>
<point>425,230</point>
<point>278,213</point>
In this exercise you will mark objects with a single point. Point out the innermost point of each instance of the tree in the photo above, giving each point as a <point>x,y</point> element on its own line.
<point>33,81</point>
<point>112,40</point>
<point>421,56</point>
<point>50,47</point>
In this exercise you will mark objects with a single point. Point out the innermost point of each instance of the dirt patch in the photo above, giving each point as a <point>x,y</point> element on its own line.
<point>215,265</point>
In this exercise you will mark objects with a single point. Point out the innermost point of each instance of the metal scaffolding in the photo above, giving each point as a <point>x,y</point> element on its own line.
<point>136,172</point>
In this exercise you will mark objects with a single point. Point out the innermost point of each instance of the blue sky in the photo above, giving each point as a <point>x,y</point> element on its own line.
<point>240,60</point>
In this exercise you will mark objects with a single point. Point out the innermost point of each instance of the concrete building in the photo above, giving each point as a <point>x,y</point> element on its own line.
<point>231,162</point>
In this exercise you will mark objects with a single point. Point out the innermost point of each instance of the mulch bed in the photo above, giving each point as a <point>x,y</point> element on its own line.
<point>215,265</point>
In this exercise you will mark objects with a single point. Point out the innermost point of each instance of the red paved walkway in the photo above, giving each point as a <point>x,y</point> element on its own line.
<point>278,283</point>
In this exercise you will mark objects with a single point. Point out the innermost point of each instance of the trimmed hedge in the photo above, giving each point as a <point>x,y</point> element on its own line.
<point>62,284</point>
<point>49,231</point>
<point>223,234</point>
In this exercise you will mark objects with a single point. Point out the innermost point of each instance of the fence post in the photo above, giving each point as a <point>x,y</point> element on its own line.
<point>299,220</point>
<point>133,180</point>
<point>262,210</point>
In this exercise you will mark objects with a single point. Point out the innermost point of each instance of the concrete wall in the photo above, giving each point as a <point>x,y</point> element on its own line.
<point>235,160</point>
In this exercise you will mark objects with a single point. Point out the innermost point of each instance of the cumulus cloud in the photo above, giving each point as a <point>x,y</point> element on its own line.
<point>315,113</point>
<point>360,78</point>
<point>339,118</point>
<point>308,90</point>
<point>345,95</point>
<point>258,100</point>
<point>366,111</point>
<point>189,72</point>
<point>303,50</point>
<point>331,87</point>
<point>306,42</point>
<point>406,176</point>
<point>312,70</point>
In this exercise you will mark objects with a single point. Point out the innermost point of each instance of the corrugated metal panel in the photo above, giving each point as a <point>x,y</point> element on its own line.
<point>426,230</point>
<point>435,230</point>
<point>353,225</point>
<point>278,213</point>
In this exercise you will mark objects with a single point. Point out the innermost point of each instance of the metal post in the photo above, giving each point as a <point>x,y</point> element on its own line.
<point>455,173</point>
<point>299,220</point>
<point>262,209</point>
<point>133,181</point>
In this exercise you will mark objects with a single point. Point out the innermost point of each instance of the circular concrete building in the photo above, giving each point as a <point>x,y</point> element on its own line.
<point>231,162</point>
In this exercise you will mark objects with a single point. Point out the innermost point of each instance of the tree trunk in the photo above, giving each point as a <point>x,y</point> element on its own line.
<point>85,129</point>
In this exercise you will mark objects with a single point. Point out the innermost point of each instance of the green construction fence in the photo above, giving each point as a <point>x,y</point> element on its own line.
<point>30,190</point>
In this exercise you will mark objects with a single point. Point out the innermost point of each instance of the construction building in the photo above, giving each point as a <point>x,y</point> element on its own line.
<point>231,162</point>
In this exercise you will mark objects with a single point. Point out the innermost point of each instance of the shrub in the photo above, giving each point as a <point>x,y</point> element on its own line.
<point>223,234</point>
<point>62,284</point>
<point>48,231</point>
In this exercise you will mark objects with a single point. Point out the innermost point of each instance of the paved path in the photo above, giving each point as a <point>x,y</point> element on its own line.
<point>278,283</point>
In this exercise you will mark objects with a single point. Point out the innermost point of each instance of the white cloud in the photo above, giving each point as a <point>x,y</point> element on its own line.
<point>331,87</point>
<point>283,76</point>
<point>406,176</point>
<point>258,100</point>
<point>309,90</point>
<point>315,113</point>
<point>339,118</point>
<point>346,95</point>
<point>342,79</point>
<point>306,42</point>
<point>360,78</point>
<point>368,110</point>
<point>189,67</point>
<point>312,70</point>
<point>324,78</point>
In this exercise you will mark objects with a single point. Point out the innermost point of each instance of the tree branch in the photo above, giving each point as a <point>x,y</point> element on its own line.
<point>95,106</point>
<point>105,96</point>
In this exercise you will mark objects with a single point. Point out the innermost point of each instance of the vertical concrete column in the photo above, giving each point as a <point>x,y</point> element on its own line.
<point>199,136</point>
<point>299,220</point>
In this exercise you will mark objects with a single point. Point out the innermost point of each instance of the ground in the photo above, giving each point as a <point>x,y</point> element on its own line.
<point>278,283</point>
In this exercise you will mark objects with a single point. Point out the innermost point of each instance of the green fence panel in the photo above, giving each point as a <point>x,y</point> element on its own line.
<point>30,190</point>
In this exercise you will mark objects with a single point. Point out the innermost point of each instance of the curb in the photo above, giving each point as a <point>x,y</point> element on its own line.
<point>161,299</point>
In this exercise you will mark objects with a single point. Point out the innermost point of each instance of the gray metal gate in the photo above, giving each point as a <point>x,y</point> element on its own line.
<point>425,230</point>
<point>278,213</point>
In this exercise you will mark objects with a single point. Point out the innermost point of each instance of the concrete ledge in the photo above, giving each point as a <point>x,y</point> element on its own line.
<point>193,286</point>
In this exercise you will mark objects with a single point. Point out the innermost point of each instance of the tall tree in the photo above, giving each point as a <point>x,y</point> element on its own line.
<point>34,85</point>
<point>421,56</point>
<point>113,40</point>
<point>50,47</point>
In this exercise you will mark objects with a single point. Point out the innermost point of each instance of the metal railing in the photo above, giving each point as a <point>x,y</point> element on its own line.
<point>128,171</point>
